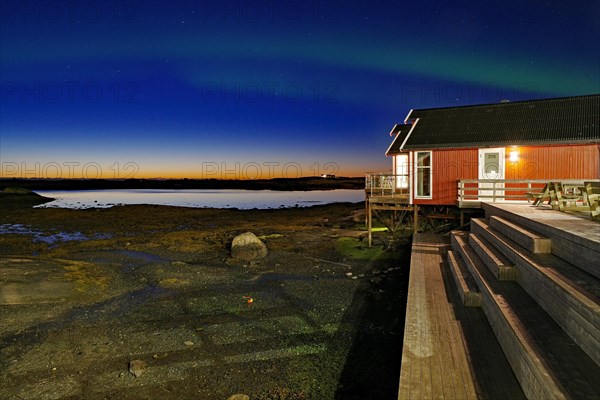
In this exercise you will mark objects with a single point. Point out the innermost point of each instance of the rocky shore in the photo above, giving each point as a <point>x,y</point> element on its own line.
<point>149,302</point>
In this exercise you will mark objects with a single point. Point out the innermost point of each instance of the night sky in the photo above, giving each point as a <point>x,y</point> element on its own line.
<point>247,89</point>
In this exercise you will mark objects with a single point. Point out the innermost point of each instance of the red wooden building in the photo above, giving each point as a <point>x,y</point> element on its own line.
<point>450,159</point>
<point>452,156</point>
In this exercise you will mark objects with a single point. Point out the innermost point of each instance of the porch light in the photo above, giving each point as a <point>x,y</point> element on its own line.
<point>513,156</point>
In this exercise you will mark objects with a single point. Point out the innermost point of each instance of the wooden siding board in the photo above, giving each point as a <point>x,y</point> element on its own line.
<point>555,162</point>
<point>535,162</point>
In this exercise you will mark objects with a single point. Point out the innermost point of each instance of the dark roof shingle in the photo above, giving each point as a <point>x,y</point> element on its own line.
<point>548,121</point>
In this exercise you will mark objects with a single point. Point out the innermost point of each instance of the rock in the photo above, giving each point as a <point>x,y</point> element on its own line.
<point>188,343</point>
<point>137,367</point>
<point>239,396</point>
<point>178,264</point>
<point>348,273</point>
<point>354,277</point>
<point>248,247</point>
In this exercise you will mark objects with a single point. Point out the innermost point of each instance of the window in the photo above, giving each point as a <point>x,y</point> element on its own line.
<point>423,174</point>
<point>402,171</point>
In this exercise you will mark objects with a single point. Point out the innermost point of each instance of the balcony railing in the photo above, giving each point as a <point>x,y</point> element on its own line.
<point>500,190</point>
<point>386,184</point>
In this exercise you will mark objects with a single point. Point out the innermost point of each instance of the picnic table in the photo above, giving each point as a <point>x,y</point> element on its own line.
<point>591,194</point>
<point>569,197</point>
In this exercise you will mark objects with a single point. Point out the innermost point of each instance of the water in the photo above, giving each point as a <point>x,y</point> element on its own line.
<point>48,238</point>
<point>221,198</point>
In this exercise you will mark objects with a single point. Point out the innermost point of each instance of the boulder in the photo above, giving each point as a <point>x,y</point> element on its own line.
<point>239,396</point>
<point>248,247</point>
<point>137,367</point>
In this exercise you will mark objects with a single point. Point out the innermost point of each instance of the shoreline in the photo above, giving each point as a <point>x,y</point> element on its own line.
<point>277,184</point>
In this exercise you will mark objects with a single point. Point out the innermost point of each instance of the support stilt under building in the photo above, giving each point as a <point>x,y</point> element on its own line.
<point>395,204</point>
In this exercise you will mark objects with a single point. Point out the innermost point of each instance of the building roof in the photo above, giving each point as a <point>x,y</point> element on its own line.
<point>401,132</point>
<point>532,122</point>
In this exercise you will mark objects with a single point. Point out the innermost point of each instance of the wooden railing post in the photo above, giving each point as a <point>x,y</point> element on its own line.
<point>369,223</point>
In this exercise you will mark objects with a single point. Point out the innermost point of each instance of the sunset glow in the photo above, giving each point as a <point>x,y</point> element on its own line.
<point>263,89</point>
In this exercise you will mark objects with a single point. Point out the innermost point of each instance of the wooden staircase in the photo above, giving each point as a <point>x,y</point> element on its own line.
<point>542,302</point>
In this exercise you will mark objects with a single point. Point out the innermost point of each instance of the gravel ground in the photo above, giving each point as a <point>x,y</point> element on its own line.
<point>85,292</point>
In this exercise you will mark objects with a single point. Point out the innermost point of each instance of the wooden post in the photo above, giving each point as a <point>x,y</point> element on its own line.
<point>366,207</point>
<point>416,219</point>
<point>369,219</point>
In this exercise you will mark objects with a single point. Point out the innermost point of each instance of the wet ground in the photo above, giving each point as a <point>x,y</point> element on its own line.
<point>84,292</point>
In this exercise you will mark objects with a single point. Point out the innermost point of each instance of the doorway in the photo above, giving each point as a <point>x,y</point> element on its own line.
<point>491,168</point>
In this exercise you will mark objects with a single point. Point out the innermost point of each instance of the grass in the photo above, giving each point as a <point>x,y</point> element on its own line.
<point>87,277</point>
<point>358,250</point>
<point>373,228</point>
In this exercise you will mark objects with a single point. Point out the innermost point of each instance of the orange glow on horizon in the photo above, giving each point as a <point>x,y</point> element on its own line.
<point>219,171</point>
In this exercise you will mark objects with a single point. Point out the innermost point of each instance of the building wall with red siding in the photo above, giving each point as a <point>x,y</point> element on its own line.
<point>555,162</point>
<point>448,167</point>
<point>535,162</point>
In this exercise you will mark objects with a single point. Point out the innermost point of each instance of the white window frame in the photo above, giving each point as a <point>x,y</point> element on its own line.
<point>416,174</point>
<point>402,169</point>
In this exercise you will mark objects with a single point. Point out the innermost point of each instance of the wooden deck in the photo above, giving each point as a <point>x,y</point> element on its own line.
<point>450,351</point>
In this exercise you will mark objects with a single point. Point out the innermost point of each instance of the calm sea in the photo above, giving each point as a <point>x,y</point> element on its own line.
<point>222,198</point>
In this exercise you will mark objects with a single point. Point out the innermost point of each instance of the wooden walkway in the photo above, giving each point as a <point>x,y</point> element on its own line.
<point>450,351</point>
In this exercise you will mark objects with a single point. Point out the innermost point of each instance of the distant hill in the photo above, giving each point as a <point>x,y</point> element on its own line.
<point>18,197</point>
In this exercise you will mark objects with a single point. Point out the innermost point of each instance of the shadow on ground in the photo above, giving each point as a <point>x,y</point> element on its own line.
<point>372,368</point>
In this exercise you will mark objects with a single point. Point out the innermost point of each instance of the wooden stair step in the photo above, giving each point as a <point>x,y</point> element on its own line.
<point>528,239</point>
<point>467,289</point>
<point>545,360</point>
<point>574,239</point>
<point>571,296</point>
<point>500,266</point>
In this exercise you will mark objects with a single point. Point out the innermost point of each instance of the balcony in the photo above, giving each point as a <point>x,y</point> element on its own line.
<point>387,184</point>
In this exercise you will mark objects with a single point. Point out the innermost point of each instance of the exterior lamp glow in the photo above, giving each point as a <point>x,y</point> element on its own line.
<point>513,156</point>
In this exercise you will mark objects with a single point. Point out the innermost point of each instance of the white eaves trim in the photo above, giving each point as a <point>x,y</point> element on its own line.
<point>408,116</point>
<point>409,133</point>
